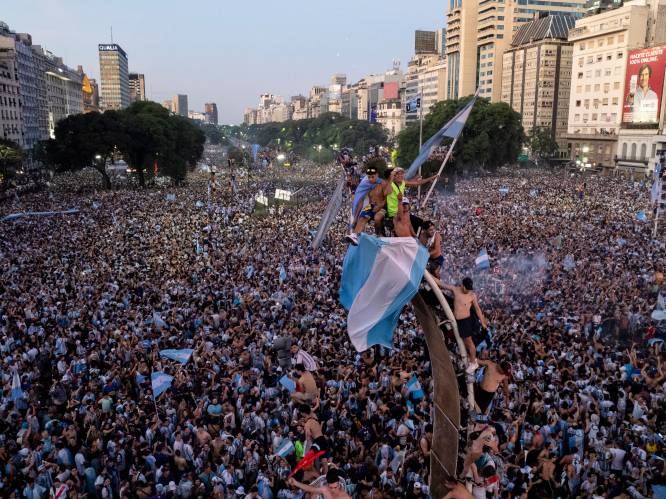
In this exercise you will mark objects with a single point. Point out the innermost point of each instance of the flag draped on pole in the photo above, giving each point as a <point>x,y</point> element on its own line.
<point>17,392</point>
<point>483,260</point>
<point>379,277</point>
<point>414,388</point>
<point>182,355</point>
<point>452,129</point>
<point>160,382</point>
<point>329,214</point>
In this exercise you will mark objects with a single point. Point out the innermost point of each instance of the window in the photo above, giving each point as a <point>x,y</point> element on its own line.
<point>620,38</point>
<point>576,117</point>
<point>620,55</point>
<point>633,151</point>
<point>616,85</point>
<point>597,73</point>
<point>597,87</point>
<point>604,102</point>
<point>643,151</point>
<point>578,103</point>
<point>609,57</point>
<point>606,88</point>
<point>616,101</point>
<point>580,75</point>
<point>582,46</point>
<point>611,39</point>
<point>600,43</point>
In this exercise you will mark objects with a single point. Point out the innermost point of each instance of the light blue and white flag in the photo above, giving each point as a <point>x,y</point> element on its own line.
<point>504,190</point>
<point>452,129</point>
<point>17,392</point>
<point>379,277</point>
<point>569,263</point>
<point>283,274</point>
<point>249,271</point>
<point>183,355</point>
<point>160,382</point>
<point>285,449</point>
<point>483,260</point>
<point>332,209</point>
<point>641,216</point>
<point>414,388</point>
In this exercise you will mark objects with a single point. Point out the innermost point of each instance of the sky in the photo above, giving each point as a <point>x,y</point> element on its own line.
<point>230,51</point>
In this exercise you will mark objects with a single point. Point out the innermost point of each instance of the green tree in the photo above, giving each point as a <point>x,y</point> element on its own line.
<point>542,143</point>
<point>238,156</point>
<point>11,157</point>
<point>493,134</point>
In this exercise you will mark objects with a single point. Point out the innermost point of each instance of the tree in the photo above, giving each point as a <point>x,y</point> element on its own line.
<point>238,156</point>
<point>11,157</point>
<point>542,143</point>
<point>493,134</point>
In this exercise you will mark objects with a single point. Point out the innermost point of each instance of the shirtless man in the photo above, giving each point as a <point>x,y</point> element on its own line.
<point>307,386</point>
<point>432,240</point>
<point>464,298</point>
<point>402,224</point>
<point>331,490</point>
<point>493,376</point>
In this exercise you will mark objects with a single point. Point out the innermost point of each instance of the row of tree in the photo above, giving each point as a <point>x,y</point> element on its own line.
<point>146,135</point>
<point>316,138</point>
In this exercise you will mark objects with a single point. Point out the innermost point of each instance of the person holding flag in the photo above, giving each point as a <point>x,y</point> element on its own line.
<point>464,299</point>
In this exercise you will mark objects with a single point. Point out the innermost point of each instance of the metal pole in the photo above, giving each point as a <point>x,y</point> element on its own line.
<point>448,155</point>
<point>420,136</point>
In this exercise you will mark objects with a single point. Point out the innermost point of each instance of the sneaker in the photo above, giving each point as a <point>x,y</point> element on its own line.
<point>472,367</point>
<point>352,238</point>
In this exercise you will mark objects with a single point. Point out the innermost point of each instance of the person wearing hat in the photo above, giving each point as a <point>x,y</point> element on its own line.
<point>402,224</point>
<point>396,189</point>
<point>463,300</point>
<point>365,206</point>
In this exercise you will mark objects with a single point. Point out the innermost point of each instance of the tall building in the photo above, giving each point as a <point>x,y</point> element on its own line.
<point>11,115</point>
<point>425,79</point>
<point>425,42</point>
<point>536,75</point>
<point>32,84</point>
<point>210,109</point>
<point>90,92</point>
<point>137,87</point>
<point>179,103</point>
<point>479,31</point>
<point>114,76</point>
<point>601,44</point>
<point>196,116</point>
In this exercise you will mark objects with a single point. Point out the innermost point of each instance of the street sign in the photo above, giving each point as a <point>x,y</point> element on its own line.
<point>523,157</point>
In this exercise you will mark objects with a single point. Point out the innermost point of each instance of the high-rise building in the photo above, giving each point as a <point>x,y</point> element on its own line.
<point>137,87</point>
<point>90,92</point>
<point>114,76</point>
<point>425,42</point>
<point>536,75</point>
<point>479,31</point>
<point>593,7</point>
<point>425,79</point>
<point>32,85</point>
<point>196,116</point>
<point>180,105</point>
<point>210,110</point>
<point>168,104</point>
<point>601,44</point>
<point>11,115</point>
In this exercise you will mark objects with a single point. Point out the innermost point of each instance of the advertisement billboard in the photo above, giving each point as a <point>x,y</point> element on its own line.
<point>644,86</point>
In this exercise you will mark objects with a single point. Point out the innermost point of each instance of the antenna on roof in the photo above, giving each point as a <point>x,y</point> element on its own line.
<point>111,34</point>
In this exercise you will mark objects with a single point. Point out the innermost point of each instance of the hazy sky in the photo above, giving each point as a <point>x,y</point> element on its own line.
<point>230,51</point>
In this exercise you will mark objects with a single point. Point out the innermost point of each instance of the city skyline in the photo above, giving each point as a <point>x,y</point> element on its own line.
<point>359,44</point>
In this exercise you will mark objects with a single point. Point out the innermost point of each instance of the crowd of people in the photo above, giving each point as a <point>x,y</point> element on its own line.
<point>89,300</point>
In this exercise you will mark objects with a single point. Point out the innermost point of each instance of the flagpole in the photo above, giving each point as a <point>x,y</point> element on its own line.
<point>432,186</point>
<point>420,138</point>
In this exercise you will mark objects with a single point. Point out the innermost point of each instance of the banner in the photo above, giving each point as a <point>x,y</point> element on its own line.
<point>644,85</point>
<point>282,195</point>
<point>329,215</point>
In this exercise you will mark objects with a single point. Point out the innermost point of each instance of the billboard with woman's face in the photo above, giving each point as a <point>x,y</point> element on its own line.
<point>644,85</point>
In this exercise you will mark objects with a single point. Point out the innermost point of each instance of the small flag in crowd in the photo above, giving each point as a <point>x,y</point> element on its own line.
<point>285,449</point>
<point>249,271</point>
<point>641,216</point>
<point>483,260</point>
<point>414,388</point>
<point>504,190</point>
<point>569,263</point>
<point>283,274</point>
<point>17,392</point>
<point>160,382</point>
<point>171,197</point>
<point>288,383</point>
<point>182,356</point>
<point>379,277</point>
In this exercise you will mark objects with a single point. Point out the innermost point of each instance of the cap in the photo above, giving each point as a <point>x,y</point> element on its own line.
<point>371,170</point>
<point>405,200</point>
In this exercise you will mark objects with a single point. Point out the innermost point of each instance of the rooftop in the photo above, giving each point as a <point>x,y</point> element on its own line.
<point>556,26</point>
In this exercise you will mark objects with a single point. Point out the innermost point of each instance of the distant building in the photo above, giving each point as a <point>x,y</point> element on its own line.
<point>168,104</point>
<point>180,105</point>
<point>536,75</point>
<point>425,42</point>
<point>425,79</point>
<point>114,76</point>
<point>90,92</point>
<point>210,110</point>
<point>11,117</point>
<point>64,90</point>
<point>137,87</point>
<point>197,116</point>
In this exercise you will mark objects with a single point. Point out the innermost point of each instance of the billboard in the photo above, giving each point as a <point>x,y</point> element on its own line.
<point>391,90</point>
<point>644,85</point>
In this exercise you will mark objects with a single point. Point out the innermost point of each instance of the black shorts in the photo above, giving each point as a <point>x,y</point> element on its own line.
<point>321,444</point>
<point>482,398</point>
<point>467,327</point>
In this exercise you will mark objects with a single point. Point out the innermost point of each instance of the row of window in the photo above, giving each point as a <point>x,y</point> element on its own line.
<point>643,154</point>
<point>596,102</point>
<point>605,117</point>
<point>9,114</point>
<point>599,58</point>
<point>600,42</point>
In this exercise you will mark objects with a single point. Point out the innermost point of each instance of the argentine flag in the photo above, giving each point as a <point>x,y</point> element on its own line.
<point>414,388</point>
<point>483,260</point>
<point>379,277</point>
<point>160,383</point>
<point>182,356</point>
<point>286,448</point>
<point>17,392</point>
<point>641,216</point>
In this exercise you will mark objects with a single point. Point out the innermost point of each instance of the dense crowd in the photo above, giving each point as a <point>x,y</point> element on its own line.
<point>89,300</point>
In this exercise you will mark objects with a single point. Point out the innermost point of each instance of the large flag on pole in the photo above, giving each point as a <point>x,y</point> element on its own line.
<point>483,260</point>
<point>160,383</point>
<point>452,129</point>
<point>329,214</point>
<point>379,277</point>
<point>183,355</point>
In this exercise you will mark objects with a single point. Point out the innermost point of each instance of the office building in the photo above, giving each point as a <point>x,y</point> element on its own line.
<point>137,87</point>
<point>196,116</point>
<point>299,104</point>
<point>425,42</point>
<point>426,80</point>
<point>601,44</point>
<point>114,76</point>
<point>32,85</point>
<point>90,92</point>
<point>479,31</point>
<point>210,109</point>
<point>536,75</point>
<point>179,103</point>
<point>11,115</point>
